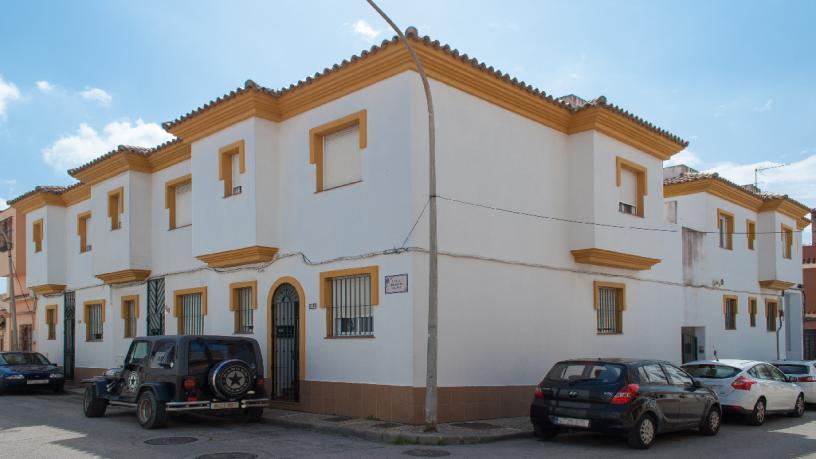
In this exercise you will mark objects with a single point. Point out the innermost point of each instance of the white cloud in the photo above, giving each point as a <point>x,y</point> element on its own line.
<point>807,235</point>
<point>364,30</point>
<point>8,92</point>
<point>3,204</point>
<point>687,157</point>
<point>767,106</point>
<point>98,95</point>
<point>44,86</point>
<point>795,179</point>
<point>86,144</point>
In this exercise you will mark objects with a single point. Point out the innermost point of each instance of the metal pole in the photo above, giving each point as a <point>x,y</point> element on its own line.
<point>433,265</point>
<point>12,304</point>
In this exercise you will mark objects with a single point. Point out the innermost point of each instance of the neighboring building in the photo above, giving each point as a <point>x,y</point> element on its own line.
<point>25,305</point>
<point>746,245</point>
<point>809,282</point>
<point>298,217</point>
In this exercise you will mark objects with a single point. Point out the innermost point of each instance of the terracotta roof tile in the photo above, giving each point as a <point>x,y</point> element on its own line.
<point>55,190</point>
<point>695,176</point>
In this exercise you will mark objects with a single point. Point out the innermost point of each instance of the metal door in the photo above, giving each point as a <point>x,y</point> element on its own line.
<point>285,353</point>
<point>69,342</point>
<point>689,348</point>
<point>155,307</point>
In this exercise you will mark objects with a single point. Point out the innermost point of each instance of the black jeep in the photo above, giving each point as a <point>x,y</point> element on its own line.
<point>163,374</point>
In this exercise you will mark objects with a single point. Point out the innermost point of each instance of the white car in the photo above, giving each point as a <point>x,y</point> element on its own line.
<point>804,372</point>
<point>750,388</point>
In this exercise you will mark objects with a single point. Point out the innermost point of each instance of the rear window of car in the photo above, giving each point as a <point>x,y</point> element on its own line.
<point>204,353</point>
<point>789,369</point>
<point>586,372</point>
<point>711,371</point>
<point>23,358</point>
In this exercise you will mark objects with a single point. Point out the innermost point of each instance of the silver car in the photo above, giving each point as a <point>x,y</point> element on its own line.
<point>750,388</point>
<point>803,372</point>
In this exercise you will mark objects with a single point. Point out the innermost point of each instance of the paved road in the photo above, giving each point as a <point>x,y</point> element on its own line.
<point>52,426</point>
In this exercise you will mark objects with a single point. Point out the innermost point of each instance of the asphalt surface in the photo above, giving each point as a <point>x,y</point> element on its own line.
<point>52,426</point>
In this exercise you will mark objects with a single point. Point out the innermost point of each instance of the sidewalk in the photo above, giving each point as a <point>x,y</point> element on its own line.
<point>455,433</point>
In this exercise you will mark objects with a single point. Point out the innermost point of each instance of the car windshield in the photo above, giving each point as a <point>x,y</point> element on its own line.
<point>711,371</point>
<point>592,372</point>
<point>23,358</point>
<point>205,352</point>
<point>790,369</point>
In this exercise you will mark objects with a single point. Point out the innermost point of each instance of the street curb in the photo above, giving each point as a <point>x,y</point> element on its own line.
<point>398,437</point>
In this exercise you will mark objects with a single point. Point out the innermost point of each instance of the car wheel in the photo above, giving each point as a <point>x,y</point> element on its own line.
<point>712,421</point>
<point>642,435</point>
<point>543,433</point>
<point>799,408</point>
<point>92,405</point>
<point>757,417</point>
<point>151,413</point>
<point>252,414</point>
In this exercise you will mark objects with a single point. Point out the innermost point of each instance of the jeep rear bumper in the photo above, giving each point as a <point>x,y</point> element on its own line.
<point>210,405</point>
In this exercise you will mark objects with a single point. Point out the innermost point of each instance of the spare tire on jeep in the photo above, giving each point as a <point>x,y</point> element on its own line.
<point>231,379</point>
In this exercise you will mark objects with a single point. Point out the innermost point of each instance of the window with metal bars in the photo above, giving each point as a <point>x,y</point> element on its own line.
<point>51,320</point>
<point>730,311</point>
<point>752,310</point>
<point>243,310</point>
<point>610,310</point>
<point>191,317</point>
<point>129,310</point>
<point>94,322</point>
<point>351,310</point>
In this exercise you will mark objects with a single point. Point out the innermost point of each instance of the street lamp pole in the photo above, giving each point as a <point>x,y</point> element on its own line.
<point>433,265</point>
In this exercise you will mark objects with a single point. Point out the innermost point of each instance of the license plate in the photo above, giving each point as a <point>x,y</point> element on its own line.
<point>570,422</point>
<point>224,405</point>
<point>37,381</point>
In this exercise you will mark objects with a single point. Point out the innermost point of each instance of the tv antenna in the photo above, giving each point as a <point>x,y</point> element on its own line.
<point>760,169</point>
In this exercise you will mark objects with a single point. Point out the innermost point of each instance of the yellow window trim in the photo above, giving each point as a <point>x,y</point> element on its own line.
<point>37,234</point>
<point>233,302</point>
<point>116,207</point>
<point>597,285</point>
<point>82,230</point>
<point>640,174</point>
<point>225,164</point>
<point>787,241</point>
<point>327,276</point>
<point>752,310</point>
<point>316,135</point>
<point>736,303</point>
<point>768,303</point>
<point>170,196</point>
<point>124,300</point>
<point>301,321</point>
<point>53,322</point>
<point>750,228</point>
<point>85,308</point>
<point>177,294</point>
<point>729,217</point>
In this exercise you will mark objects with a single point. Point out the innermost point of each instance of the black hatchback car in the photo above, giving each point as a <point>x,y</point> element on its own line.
<point>170,374</point>
<point>637,398</point>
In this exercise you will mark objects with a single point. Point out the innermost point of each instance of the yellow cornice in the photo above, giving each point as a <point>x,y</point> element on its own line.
<point>785,207</point>
<point>36,200</point>
<point>169,156</point>
<point>776,284</point>
<point>440,66</point>
<point>47,289</point>
<point>76,194</point>
<point>124,276</point>
<point>717,188</point>
<point>112,166</point>
<point>237,257</point>
<point>612,259</point>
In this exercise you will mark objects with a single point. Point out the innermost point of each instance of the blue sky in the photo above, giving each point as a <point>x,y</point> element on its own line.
<point>736,79</point>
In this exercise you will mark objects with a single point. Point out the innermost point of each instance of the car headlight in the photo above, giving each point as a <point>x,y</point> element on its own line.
<point>56,375</point>
<point>15,377</point>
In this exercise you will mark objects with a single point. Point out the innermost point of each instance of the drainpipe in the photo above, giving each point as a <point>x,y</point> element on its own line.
<point>781,317</point>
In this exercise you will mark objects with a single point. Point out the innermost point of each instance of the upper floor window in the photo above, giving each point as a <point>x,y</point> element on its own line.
<point>610,301</point>
<point>725,229</point>
<point>82,231</point>
<point>243,302</point>
<point>750,228</point>
<point>771,313</point>
<point>336,151</point>
<point>349,297</point>
<point>730,312</point>
<point>94,319</point>
<point>116,207</point>
<point>178,199</point>
<point>231,166</point>
<point>787,241</point>
<point>631,181</point>
<point>37,235</point>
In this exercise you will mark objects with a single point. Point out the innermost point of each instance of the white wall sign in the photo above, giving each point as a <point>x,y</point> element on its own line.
<point>396,284</point>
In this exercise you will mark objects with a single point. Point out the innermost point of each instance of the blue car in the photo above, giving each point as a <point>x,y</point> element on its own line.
<point>29,370</point>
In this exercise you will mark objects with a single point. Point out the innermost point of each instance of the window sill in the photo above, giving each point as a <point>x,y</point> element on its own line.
<point>94,340</point>
<point>350,337</point>
<point>339,186</point>
<point>609,334</point>
<point>631,215</point>
<point>179,227</point>
<point>227,196</point>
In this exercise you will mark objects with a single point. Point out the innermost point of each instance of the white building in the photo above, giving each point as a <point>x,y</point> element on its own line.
<point>289,216</point>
